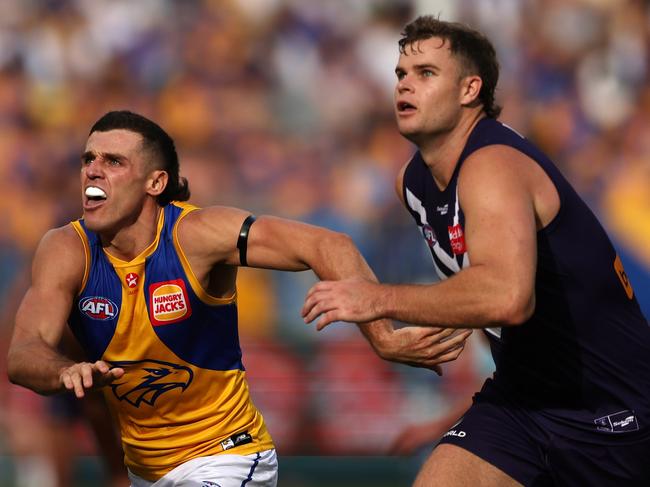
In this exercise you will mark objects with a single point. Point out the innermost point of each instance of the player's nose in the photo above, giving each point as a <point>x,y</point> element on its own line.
<point>403,85</point>
<point>93,169</point>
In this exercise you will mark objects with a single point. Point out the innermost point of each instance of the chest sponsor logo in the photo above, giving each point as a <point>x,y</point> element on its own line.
<point>168,302</point>
<point>131,280</point>
<point>98,308</point>
<point>429,235</point>
<point>457,239</point>
<point>443,210</point>
<point>144,381</point>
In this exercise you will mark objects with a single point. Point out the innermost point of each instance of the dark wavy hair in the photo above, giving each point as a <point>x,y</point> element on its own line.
<point>155,140</point>
<point>475,51</point>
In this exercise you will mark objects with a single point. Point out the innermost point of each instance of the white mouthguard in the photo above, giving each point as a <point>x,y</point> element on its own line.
<point>93,192</point>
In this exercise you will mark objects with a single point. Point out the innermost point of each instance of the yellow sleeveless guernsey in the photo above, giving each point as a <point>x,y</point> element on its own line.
<point>184,394</point>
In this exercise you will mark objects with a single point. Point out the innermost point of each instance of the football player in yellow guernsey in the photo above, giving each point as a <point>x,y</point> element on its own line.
<point>147,285</point>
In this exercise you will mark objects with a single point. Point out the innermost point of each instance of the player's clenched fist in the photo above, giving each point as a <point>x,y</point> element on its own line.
<point>86,375</point>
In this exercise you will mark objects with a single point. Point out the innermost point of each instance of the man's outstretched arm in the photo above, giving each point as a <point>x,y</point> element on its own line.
<point>281,244</point>
<point>497,197</point>
<point>33,360</point>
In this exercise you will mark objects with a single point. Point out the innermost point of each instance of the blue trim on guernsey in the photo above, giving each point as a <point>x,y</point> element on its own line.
<point>92,320</point>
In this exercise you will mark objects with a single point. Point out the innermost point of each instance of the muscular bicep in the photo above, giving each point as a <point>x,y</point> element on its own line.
<point>209,237</point>
<point>57,272</point>
<point>277,243</point>
<point>500,226</point>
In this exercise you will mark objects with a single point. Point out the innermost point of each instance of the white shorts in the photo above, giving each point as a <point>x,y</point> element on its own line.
<point>255,470</point>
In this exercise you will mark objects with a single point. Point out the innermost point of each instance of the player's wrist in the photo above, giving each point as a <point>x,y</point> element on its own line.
<point>379,335</point>
<point>386,302</point>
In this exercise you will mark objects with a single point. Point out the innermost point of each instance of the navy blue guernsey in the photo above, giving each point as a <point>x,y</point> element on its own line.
<point>582,361</point>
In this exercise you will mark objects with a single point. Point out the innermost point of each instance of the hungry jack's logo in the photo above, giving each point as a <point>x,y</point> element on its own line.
<point>168,302</point>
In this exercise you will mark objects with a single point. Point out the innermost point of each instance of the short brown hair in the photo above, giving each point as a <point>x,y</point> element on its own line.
<point>158,141</point>
<point>475,51</point>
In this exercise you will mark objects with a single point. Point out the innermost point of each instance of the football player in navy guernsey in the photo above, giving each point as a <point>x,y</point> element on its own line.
<point>522,257</point>
<point>147,284</point>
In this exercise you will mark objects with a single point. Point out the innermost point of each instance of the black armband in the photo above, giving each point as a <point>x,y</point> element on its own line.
<point>242,241</point>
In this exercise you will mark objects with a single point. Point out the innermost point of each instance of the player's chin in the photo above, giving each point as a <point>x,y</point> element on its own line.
<point>94,223</point>
<point>408,131</point>
<point>91,223</point>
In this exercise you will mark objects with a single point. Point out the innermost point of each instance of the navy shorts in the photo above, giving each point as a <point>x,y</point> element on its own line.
<point>507,437</point>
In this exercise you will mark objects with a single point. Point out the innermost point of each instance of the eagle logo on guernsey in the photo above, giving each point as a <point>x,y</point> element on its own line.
<point>98,308</point>
<point>168,302</point>
<point>144,381</point>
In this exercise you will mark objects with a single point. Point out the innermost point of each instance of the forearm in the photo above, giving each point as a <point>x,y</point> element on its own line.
<point>474,298</point>
<point>37,366</point>
<point>378,334</point>
<point>338,258</point>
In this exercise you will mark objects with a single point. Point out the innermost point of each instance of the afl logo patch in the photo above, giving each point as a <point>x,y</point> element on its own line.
<point>168,302</point>
<point>98,308</point>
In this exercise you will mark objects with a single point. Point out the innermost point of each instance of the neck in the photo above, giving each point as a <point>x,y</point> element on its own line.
<point>133,237</point>
<point>442,150</point>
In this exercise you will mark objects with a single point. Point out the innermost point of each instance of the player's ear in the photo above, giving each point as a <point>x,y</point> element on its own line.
<point>470,89</point>
<point>157,182</point>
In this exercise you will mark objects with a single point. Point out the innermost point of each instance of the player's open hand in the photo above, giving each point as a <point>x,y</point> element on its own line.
<point>86,375</point>
<point>422,346</point>
<point>352,300</point>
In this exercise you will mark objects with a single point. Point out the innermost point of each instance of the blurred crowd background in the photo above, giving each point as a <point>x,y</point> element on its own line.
<point>284,107</point>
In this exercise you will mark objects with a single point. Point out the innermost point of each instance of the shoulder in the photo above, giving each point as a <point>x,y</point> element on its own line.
<point>211,232</point>
<point>495,164</point>
<point>64,241</point>
<point>495,177</point>
<point>212,218</point>
<point>500,180</point>
<point>60,257</point>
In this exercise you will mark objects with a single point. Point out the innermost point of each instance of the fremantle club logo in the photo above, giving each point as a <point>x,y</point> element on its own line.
<point>98,308</point>
<point>144,381</point>
<point>429,235</point>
